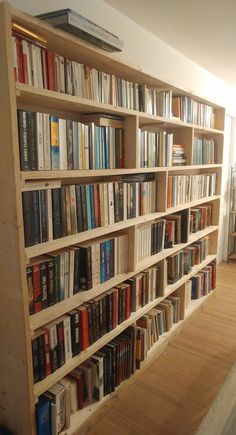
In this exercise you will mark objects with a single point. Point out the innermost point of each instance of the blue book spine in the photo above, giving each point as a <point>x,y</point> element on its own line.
<point>194,288</point>
<point>43,416</point>
<point>91,188</point>
<point>107,148</point>
<point>102,262</point>
<point>88,207</point>
<point>107,259</point>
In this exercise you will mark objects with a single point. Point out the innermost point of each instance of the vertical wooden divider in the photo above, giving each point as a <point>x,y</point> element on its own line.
<point>132,142</point>
<point>16,379</point>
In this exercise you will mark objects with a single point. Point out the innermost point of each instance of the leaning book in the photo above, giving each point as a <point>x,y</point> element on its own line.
<point>74,23</point>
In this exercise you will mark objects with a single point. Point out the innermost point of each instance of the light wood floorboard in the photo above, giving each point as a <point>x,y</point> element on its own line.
<point>174,393</point>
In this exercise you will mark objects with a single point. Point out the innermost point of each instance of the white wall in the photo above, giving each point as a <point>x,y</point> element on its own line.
<point>143,49</point>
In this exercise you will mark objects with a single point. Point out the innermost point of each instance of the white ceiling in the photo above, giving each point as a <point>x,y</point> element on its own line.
<point>203,30</point>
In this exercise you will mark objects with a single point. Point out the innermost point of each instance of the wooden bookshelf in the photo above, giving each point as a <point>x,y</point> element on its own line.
<point>17,391</point>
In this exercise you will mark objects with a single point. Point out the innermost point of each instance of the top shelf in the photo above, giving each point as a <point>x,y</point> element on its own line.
<point>29,96</point>
<point>70,46</point>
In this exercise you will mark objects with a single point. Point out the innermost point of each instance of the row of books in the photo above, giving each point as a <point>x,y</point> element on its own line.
<point>61,274</point>
<point>191,111</point>
<point>185,188</point>
<point>176,229</point>
<point>150,239</point>
<point>64,338</point>
<point>200,217</point>
<point>204,281</point>
<point>156,102</point>
<point>181,262</point>
<point>37,66</point>
<point>202,185</point>
<point>105,370</point>
<point>204,151</point>
<point>50,143</point>
<point>61,211</point>
<point>155,149</point>
<point>178,155</point>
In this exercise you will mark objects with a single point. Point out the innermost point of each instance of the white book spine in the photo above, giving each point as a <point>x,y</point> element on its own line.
<point>46,142</point>
<point>62,143</point>
<point>67,338</point>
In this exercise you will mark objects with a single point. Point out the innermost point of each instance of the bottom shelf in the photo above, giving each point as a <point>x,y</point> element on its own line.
<point>83,419</point>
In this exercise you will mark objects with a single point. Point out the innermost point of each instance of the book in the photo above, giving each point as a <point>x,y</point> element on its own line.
<point>74,23</point>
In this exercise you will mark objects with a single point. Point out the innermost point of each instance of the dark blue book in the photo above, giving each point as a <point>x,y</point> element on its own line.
<point>91,188</point>
<point>88,207</point>
<point>43,416</point>
<point>102,262</point>
<point>107,259</point>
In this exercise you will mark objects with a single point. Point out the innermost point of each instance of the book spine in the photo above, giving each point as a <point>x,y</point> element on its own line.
<point>23,140</point>
<point>55,155</point>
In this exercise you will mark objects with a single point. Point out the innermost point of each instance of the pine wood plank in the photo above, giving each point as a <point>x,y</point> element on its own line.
<point>16,380</point>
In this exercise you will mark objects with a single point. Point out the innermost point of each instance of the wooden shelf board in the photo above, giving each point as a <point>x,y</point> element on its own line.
<point>48,314</point>
<point>77,49</point>
<point>81,419</point>
<point>38,175</point>
<point>30,96</point>
<point>63,242</point>
<point>42,386</point>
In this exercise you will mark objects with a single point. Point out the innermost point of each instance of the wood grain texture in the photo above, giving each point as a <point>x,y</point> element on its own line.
<point>175,391</point>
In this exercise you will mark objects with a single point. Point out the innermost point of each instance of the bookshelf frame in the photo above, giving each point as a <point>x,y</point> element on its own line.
<point>18,394</point>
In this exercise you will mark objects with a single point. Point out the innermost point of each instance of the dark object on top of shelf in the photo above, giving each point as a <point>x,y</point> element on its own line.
<point>74,23</point>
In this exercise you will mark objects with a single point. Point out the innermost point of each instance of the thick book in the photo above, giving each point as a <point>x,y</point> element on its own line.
<point>74,23</point>
<point>43,416</point>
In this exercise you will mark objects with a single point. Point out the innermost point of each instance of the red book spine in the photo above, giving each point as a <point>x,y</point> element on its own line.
<point>128,301</point>
<point>51,71</point>
<point>37,288</point>
<point>97,216</point>
<point>47,353</point>
<point>84,325</point>
<point>44,67</point>
<point>19,60</point>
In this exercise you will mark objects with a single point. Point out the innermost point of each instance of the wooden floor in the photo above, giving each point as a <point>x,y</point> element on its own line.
<point>174,393</point>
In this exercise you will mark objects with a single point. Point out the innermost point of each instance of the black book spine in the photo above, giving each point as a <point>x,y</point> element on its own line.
<point>152,239</point>
<point>35,359</point>
<point>27,214</point>
<point>104,315</point>
<point>62,195</point>
<point>44,286</point>
<point>75,332</point>
<point>32,140</point>
<point>76,271</point>
<point>79,208</point>
<point>43,215</point>
<point>91,323</point>
<point>85,278</point>
<point>41,357</point>
<point>110,311</point>
<point>36,230</point>
<point>23,140</point>
<point>56,216</point>
<point>50,282</point>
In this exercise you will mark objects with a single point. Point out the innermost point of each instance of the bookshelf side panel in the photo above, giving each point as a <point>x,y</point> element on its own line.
<point>16,392</point>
